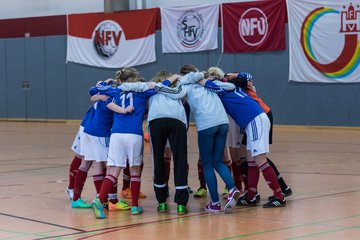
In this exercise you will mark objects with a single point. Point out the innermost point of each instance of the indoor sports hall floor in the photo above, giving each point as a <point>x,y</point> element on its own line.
<point>320,164</point>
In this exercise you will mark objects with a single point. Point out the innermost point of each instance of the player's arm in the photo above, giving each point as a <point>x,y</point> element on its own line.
<point>217,86</point>
<point>116,108</point>
<point>99,97</point>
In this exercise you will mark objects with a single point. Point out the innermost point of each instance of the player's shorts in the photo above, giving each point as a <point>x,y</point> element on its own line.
<point>125,147</point>
<point>257,132</point>
<point>76,144</point>
<point>94,148</point>
<point>234,136</point>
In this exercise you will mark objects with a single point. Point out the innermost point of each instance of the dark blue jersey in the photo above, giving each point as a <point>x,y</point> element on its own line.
<point>240,106</point>
<point>88,113</point>
<point>130,122</point>
<point>99,122</point>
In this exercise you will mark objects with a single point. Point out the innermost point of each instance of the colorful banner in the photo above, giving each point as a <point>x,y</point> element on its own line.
<point>115,40</point>
<point>254,26</point>
<point>189,29</point>
<point>324,42</point>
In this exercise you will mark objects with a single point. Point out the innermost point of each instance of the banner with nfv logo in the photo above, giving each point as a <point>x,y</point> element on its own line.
<point>189,29</point>
<point>115,40</point>
<point>324,41</point>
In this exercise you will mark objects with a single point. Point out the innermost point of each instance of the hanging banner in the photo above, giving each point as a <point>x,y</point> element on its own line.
<point>189,29</point>
<point>254,26</point>
<point>114,40</point>
<point>324,41</point>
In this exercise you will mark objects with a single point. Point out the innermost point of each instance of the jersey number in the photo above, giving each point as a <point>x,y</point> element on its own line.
<point>125,96</point>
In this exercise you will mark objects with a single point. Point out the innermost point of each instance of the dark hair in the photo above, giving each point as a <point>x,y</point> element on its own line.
<point>187,68</point>
<point>239,82</point>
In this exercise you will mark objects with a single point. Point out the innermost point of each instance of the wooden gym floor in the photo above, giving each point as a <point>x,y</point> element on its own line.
<point>320,164</point>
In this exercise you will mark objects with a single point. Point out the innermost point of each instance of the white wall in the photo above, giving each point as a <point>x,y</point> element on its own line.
<point>33,8</point>
<point>174,3</point>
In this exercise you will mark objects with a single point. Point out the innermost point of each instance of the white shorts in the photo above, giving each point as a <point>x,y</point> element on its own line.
<point>76,144</point>
<point>234,136</point>
<point>94,148</point>
<point>257,132</point>
<point>125,147</point>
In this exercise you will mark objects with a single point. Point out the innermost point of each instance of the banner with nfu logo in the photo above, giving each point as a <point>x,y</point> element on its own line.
<point>254,26</point>
<point>123,39</point>
<point>189,29</point>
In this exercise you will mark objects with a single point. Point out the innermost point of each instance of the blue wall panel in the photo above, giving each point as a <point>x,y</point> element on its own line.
<point>55,75</point>
<point>15,75</point>
<point>3,100</point>
<point>62,88</point>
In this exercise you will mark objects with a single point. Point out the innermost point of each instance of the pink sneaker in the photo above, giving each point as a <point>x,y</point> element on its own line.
<point>230,205</point>
<point>214,208</point>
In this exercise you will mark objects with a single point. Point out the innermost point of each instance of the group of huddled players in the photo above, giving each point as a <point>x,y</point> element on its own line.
<point>229,118</point>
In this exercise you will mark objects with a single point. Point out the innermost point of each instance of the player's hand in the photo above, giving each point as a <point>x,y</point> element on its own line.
<point>151,85</point>
<point>129,109</point>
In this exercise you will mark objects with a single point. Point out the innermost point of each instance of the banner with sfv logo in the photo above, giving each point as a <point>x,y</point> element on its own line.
<point>189,29</point>
<point>254,26</point>
<point>324,41</point>
<point>114,40</point>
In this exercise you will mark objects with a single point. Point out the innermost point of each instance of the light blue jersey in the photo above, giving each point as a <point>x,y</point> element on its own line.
<point>206,105</point>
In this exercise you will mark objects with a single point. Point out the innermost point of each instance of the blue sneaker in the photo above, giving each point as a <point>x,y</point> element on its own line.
<point>98,209</point>
<point>136,210</point>
<point>80,204</point>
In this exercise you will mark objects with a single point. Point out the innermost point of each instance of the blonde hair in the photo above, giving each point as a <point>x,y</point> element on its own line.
<point>215,72</point>
<point>187,68</point>
<point>125,73</point>
<point>135,79</point>
<point>161,76</point>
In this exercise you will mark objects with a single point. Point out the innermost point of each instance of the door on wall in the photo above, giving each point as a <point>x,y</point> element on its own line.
<point>15,75</point>
<point>25,78</point>
<point>34,84</point>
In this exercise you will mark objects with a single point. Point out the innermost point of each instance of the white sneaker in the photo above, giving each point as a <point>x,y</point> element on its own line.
<point>70,193</point>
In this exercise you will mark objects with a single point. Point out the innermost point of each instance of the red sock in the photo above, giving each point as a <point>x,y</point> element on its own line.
<point>271,180</point>
<point>244,173</point>
<point>98,179</point>
<point>135,189</point>
<point>79,183</point>
<point>253,179</point>
<point>112,196</point>
<point>106,188</point>
<point>126,178</point>
<point>74,166</point>
<point>167,161</point>
<point>201,174</point>
<point>236,170</point>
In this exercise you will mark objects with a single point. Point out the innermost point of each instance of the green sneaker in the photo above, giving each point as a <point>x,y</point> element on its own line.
<point>136,210</point>
<point>162,208</point>
<point>79,204</point>
<point>120,205</point>
<point>181,209</point>
<point>98,208</point>
<point>201,192</point>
